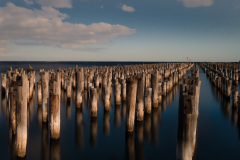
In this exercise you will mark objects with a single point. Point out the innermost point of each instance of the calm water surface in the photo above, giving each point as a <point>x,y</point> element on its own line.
<point>218,127</point>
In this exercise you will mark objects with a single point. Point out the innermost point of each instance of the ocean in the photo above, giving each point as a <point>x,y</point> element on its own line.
<point>217,135</point>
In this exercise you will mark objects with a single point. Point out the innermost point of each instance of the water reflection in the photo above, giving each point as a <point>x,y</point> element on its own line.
<point>117,116</point>
<point>45,142</point>
<point>168,98</point>
<point>79,140</point>
<point>234,115</point>
<point>148,129</point>
<point>69,110</point>
<point>124,110</point>
<point>55,150</point>
<point>139,140</point>
<point>93,132</point>
<point>224,102</point>
<point>130,147</point>
<point>156,117</point>
<point>3,105</point>
<point>106,123</point>
<point>39,116</point>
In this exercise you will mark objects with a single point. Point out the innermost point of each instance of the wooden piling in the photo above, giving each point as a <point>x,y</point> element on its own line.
<point>22,118</point>
<point>148,100</point>
<point>55,116</point>
<point>93,97</point>
<point>154,82</point>
<point>140,98</point>
<point>131,102</point>
<point>117,94</point>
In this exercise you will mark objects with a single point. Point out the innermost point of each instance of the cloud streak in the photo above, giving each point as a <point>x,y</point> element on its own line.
<point>196,3</point>
<point>127,8</point>
<point>56,3</point>
<point>46,27</point>
<point>29,2</point>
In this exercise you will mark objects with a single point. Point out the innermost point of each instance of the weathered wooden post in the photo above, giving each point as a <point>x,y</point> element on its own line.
<point>131,102</point>
<point>124,91</point>
<point>31,84</point>
<point>164,92</point>
<point>117,94</point>
<point>3,84</point>
<point>93,93</point>
<point>104,81</point>
<point>44,79</point>
<point>80,87</point>
<point>159,92</point>
<point>22,118</point>
<point>235,97</point>
<point>13,112</point>
<point>148,100</point>
<point>109,84</point>
<point>39,94</point>
<point>154,82</point>
<point>147,82</point>
<point>106,98</point>
<point>187,117</point>
<point>140,99</point>
<point>69,88</point>
<point>57,84</point>
<point>55,116</point>
<point>228,88</point>
<point>96,81</point>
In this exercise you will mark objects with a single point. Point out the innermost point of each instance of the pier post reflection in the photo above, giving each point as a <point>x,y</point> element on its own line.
<point>55,149</point>
<point>45,142</point>
<point>147,126</point>
<point>155,121</point>
<point>124,110</point>
<point>139,140</point>
<point>93,131</point>
<point>117,115</point>
<point>39,116</point>
<point>129,145</point>
<point>106,123</point>
<point>79,128</point>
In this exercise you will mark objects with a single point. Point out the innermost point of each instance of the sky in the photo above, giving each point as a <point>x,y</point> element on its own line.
<point>120,30</point>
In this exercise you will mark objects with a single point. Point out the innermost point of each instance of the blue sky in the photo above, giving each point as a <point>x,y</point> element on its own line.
<point>114,30</point>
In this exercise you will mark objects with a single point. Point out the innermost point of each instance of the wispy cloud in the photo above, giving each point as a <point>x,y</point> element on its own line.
<point>196,3</point>
<point>127,8</point>
<point>46,27</point>
<point>3,53</point>
<point>56,3</point>
<point>237,6</point>
<point>29,2</point>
